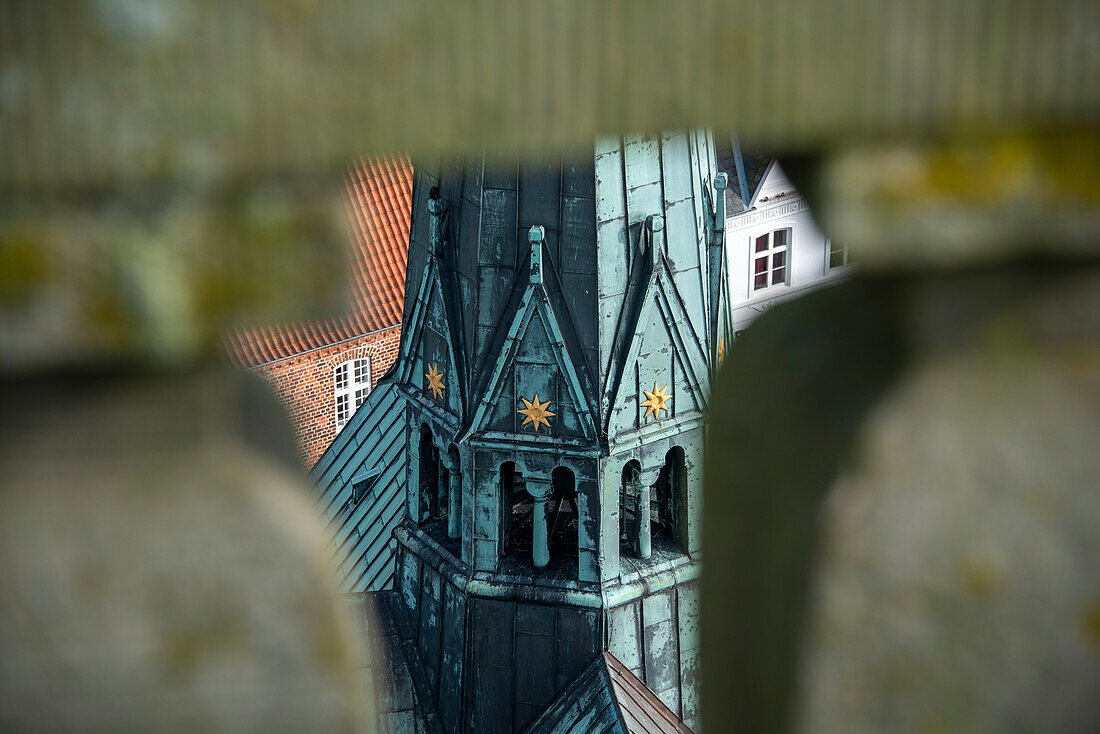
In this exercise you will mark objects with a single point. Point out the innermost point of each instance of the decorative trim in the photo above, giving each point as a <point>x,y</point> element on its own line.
<point>760,216</point>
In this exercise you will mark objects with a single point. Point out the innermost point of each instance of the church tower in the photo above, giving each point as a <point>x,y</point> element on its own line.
<point>564,315</point>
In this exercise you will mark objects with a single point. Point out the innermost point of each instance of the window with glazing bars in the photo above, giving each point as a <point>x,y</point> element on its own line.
<point>352,385</point>
<point>838,255</point>
<point>770,257</point>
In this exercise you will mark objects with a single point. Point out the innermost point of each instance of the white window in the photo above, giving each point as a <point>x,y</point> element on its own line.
<point>770,259</point>
<point>352,380</point>
<point>838,256</point>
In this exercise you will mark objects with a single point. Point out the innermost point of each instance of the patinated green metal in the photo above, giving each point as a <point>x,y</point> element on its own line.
<point>562,323</point>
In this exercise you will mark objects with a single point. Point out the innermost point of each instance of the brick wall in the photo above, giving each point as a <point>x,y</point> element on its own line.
<point>304,384</point>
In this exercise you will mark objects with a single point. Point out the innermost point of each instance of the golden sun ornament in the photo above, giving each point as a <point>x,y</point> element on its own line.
<point>656,401</point>
<point>536,412</point>
<point>435,380</point>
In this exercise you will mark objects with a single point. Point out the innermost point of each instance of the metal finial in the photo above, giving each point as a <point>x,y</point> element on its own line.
<point>536,235</point>
<point>436,206</point>
<point>654,223</point>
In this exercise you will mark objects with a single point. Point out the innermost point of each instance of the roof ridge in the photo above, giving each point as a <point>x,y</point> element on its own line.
<point>607,657</point>
<point>650,703</point>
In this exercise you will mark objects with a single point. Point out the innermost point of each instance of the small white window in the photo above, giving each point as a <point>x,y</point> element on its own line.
<point>838,255</point>
<point>770,259</point>
<point>352,385</point>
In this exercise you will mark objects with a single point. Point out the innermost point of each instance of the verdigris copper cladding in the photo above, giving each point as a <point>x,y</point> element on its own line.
<point>563,318</point>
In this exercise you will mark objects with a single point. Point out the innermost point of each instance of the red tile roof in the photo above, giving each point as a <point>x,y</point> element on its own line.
<point>607,697</point>
<point>642,711</point>
<point>380,206</point>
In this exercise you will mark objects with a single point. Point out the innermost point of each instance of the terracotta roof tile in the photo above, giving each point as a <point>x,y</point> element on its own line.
<point>607,697</point>
<point>379,200</point>
<point>642,710</point>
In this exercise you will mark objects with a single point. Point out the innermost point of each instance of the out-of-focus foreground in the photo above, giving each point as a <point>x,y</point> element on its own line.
<point>902,520</point>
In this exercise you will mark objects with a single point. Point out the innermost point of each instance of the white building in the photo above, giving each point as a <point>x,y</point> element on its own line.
<point>776,251</point>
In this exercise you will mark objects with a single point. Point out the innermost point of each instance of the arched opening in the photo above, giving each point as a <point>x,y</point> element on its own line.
<point>454,493</point>
<point>517,512</point>
<point>628,505</point>
<point>670,498</point>
<point>505,484</point>
<point>563,519</point>
<point>430,500</point>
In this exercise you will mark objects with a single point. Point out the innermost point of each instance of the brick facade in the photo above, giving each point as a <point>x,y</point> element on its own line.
<point>298,359</point>
<point>304,383</point>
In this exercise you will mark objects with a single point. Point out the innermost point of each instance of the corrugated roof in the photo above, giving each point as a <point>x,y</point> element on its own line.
<point>379,192</point>
<point>607,697</point>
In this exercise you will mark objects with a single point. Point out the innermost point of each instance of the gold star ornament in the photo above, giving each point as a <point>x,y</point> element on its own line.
<point>435,381</point>
<point>535,412</point>
<point>656,401</point>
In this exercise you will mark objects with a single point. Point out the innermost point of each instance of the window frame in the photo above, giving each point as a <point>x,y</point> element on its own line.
<point>829,267</point>
<point>769,255</point>
<point>351,384</point>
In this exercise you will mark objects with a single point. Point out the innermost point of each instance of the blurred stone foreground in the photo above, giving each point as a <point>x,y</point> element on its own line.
<point>903,521</point>
<point>160,570</point>
<point>911,542</point>
<point>957,588</point>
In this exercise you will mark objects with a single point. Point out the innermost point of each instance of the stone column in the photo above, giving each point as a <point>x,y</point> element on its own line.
<point>538,486</point>
<point>540,542</point>
<point>454,498</point>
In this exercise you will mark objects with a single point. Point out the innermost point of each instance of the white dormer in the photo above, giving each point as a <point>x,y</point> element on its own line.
<point>776,250</point>
<point>775,186</point>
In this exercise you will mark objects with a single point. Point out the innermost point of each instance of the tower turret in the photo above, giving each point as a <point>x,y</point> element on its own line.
<point>563,318</point>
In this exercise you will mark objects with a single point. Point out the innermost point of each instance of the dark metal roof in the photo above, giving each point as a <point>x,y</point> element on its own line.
<point>360,534</point>
<point>400,699</point>
<point>756,165</point>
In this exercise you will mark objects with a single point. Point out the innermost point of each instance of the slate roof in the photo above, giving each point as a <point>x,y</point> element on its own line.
<point>756,165</point>
<point>372,447</point>
<point>607,697</point>
<point>379,199</point>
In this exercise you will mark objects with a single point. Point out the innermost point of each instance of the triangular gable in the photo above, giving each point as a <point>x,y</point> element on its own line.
<point>773,172</point>
<point>534,308</point>
<point>661,294</point>
<point>430,306</point>
<point>414,328</point>
<point>756,170</point>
